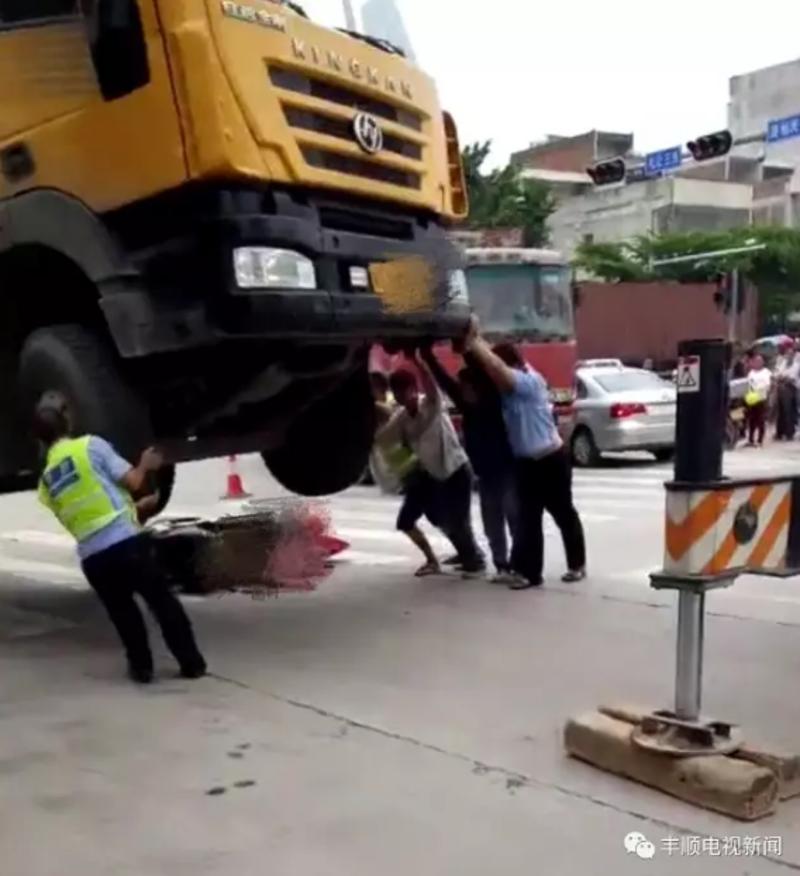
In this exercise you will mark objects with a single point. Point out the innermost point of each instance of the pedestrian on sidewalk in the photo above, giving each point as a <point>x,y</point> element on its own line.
<point>759,383</point>
<point>478,401</point>
<point>542,463</point>
<point>787,379</point>
<point>90,490</point>
<point>440,488</point>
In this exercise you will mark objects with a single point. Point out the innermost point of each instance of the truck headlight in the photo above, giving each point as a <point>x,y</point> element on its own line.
<point>459,291</point>
<point>261,267</point>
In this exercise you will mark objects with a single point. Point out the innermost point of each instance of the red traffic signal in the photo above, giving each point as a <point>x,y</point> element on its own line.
<point>607,172</point>
<point>711,145</point>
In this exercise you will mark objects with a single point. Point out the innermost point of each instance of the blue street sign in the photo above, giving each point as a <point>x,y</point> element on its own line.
<point>664,159</point>
<point>783,129</point>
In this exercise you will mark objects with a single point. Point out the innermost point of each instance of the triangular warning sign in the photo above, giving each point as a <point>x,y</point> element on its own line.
<point>686,378</point>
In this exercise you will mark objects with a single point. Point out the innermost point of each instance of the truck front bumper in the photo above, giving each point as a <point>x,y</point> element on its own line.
<point>189,296</point>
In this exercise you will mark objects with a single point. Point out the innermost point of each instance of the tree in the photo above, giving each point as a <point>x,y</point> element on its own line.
<point>503,199</point>
<point>775,270</point>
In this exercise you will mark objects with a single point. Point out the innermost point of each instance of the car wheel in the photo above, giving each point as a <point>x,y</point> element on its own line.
<point>584,449</point>
<point>327,448</point>
<point>665,454</point>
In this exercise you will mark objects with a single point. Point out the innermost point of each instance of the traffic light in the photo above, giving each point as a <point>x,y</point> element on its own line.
<point>607,172</point>
<point>711,145</point>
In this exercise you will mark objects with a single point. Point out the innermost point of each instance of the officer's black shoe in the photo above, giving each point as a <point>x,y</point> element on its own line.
<point>194,670</point>
<point>140,674</point>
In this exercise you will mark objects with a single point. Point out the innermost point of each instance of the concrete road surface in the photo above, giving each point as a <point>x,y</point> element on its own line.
<point>383,725</point>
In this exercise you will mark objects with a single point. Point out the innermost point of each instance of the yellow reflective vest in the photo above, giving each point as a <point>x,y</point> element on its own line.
<point>70,488</point>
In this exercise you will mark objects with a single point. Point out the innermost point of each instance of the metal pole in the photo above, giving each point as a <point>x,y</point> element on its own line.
<point>702,256</point>
<point>689,665</point>
<point>733,316</point>
<point>702,410</point>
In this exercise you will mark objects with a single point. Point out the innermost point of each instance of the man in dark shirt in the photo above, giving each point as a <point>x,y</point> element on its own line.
<point>489,452</point>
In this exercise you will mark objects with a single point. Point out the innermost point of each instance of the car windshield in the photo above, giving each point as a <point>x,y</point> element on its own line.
<point>631,381</point>
<point>524,300</point>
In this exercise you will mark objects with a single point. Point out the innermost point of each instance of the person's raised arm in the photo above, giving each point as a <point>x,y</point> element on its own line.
<point>430,388</point>
<point>135,479</point>
<point>503,377</point>
<point>147,507</point>
<point>440,375</point>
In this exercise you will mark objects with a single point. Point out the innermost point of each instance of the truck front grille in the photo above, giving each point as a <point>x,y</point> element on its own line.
<point>311,117</point>
<point>308,120</point>
<point>327,160</point>
<point>289,80</point>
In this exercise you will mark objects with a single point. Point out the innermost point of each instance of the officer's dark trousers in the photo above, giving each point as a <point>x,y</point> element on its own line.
<point>546,485</point>
<point>127,568</point>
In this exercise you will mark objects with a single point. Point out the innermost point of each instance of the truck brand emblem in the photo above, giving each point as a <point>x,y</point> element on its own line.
<point>368,133</point>
<point>245,12</point>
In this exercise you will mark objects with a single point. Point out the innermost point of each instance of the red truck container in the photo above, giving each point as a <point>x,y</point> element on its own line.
<point>639,321</point>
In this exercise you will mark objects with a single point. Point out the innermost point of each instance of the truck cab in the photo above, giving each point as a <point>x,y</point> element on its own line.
<point>208,212</point>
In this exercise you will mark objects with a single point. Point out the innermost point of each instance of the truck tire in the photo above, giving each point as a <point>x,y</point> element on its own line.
<point>584,448</point>
<point>327,449</point>
<point>71,360</point>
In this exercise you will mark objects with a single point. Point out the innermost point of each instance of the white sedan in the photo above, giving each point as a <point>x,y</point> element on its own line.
<point>622,409</point>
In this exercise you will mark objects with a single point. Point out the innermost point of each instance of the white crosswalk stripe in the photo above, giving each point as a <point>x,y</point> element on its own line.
<point>604,496</point>
<point>366,519</point>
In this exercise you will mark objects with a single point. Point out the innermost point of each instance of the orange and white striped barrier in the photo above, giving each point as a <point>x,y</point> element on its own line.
<point>726,527</point>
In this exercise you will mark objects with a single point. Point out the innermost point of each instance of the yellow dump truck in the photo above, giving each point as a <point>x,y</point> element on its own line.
<point>208,212</point>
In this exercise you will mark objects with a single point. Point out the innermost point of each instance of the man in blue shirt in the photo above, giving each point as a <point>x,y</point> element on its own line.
<point>543,467</point>
<point>89,488</point>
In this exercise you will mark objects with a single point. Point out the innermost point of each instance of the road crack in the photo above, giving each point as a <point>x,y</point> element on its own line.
<point>514,780</point>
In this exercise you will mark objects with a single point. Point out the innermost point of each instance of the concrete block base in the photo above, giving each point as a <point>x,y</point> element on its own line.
<point>736,787</point>
<point>785,765</point>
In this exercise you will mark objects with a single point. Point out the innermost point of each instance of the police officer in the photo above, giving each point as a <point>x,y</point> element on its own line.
<point>90,489</point>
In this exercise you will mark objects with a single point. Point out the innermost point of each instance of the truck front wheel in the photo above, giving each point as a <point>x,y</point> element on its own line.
<point>72,361</point>
<point>327,449</point>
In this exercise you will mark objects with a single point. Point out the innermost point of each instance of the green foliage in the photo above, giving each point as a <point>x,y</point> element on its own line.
<point>775,270</point>
<point>503,199</point>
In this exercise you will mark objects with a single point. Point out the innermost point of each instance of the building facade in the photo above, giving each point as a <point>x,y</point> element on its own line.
<point>758,183</point>
<point>756,99</point>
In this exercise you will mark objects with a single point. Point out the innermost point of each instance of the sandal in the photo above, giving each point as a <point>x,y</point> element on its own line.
<point>427,570</point>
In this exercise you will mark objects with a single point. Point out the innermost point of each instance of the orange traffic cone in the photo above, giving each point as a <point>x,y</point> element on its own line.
<point>235,489</point>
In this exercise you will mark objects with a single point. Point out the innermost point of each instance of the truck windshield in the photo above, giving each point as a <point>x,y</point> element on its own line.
<point>528,301</point>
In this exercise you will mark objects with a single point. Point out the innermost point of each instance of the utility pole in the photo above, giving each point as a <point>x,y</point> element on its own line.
<point>733,316</point>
